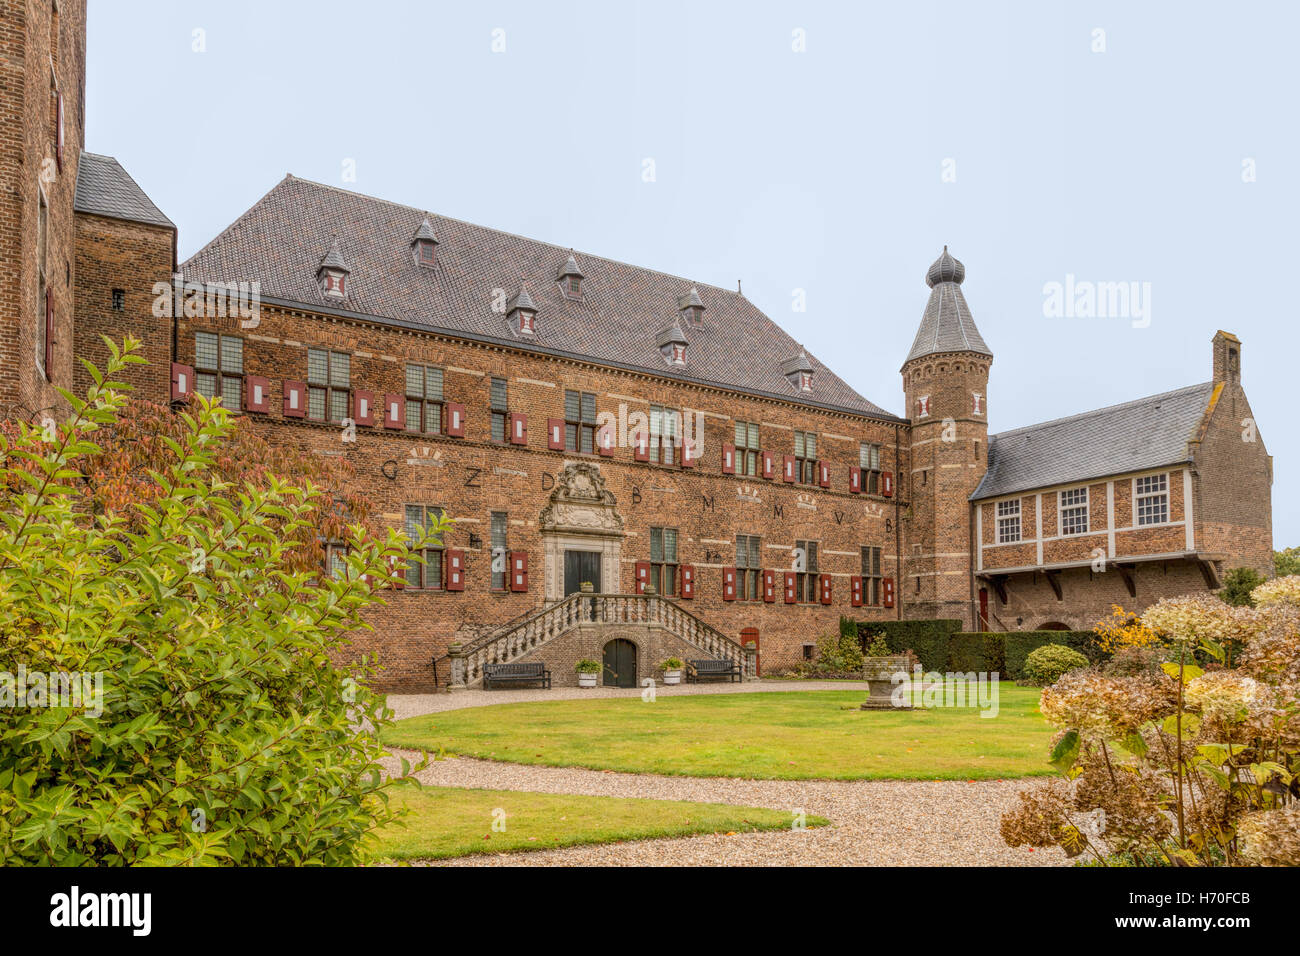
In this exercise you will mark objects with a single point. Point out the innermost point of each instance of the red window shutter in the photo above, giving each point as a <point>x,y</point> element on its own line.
<point>791,584</point>
<point>728,584</point>
<point>769,465</point>
<point>826,588</point>
<point>257,394</point>
<point>49,332</point>
<point>855,588</point>
<point>455,569</point>
<point>687,589</point>
<point>58,131</point>
<point>887,484</point>
<point>787,468</point>
<point>182,382</point>
<point>555,434</point>
<point>363,407</point>
<point>887,585</point>
<point>518,570</point>
<point>728,459</point>
<point>769,586</point>
<point>295,399</point>
<point>394,410</point>
<point>823,474</point>
<point>855,479</point>
<point>518,428</point>
<point>605,440</point>
<point>689,453</point>
<point>456,420</point>
<point>641,448</point>
<point>642,576</point>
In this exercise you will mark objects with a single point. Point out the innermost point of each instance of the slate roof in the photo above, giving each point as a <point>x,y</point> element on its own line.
<point>1147,433</point>
<point>947,324</point>
<point>279,242</point>
<point>104,188</point>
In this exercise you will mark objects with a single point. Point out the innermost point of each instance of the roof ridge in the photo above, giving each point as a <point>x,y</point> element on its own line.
<point>1097,411</point>
<point>568,250</point>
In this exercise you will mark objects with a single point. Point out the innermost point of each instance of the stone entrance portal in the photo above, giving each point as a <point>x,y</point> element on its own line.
<point>581,516</point>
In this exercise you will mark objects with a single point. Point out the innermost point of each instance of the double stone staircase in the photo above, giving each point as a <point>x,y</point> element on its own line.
<point>539,628</point>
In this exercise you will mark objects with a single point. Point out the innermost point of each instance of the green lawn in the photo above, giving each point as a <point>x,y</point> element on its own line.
<point>452,821</point>
<point>786,735</point>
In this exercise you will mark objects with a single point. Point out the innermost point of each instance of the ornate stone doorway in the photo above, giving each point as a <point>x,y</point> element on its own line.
<point>581,516</point>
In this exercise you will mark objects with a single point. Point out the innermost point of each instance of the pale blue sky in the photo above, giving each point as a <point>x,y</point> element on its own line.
<point>819,170</point>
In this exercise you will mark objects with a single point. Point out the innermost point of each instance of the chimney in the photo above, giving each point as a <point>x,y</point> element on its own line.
<point>1227,358</point>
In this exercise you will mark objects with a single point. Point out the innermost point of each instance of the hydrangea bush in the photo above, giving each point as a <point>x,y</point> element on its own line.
<point>1184,766</point>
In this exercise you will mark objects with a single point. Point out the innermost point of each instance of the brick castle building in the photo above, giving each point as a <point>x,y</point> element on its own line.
<point>585,421</point>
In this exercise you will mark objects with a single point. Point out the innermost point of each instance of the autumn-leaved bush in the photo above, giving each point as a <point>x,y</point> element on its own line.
<point>223,733</point>
<point>1181,766</point>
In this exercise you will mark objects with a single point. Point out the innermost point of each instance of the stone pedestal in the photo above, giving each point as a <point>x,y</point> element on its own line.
<point>879,672</point>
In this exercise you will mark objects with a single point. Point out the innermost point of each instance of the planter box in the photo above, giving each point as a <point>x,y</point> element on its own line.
<point>672,677</point>
<point>879,673</point>
<point>588,679</point>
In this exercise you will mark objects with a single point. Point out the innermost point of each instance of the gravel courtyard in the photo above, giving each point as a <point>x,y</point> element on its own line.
<point>874,822</point>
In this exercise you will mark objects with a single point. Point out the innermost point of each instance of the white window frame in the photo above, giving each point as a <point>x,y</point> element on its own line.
<point>1139,497</point>
<point>1062,507</point>
<point>1005,516</point>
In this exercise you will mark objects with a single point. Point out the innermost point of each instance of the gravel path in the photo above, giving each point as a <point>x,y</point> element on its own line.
<point>875,822</point>
<point>413,705</point>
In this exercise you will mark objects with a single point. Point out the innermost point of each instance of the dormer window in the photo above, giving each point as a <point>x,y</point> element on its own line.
<point>799,371</point>
<point>333,273</point>
<point>570,278</point>
<point>522,313</point>
<point>334,284</point>
<point>672,343</point>
<point>425,245</point>
<point>691,309</point>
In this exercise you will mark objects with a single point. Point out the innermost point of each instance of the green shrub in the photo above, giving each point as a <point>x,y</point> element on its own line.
<point>878,647</point>
<point>587,666</point>
<point>1019,644</point>
<point>220,731</point>
<point>1237,585</point>
<point>837,656</point>
<point>1046,664</point>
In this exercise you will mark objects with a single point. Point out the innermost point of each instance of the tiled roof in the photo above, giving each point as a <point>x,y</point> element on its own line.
<point>280,240</point>
<point>1148,433</point>
<point>104,188</point>
<point>946,325</point>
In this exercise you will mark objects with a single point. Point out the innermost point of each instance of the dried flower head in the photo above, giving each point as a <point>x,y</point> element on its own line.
<point>1271,837</point>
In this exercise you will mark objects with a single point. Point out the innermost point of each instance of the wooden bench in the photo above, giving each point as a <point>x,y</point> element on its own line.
<point>530,673</point>
<point>712,668</point>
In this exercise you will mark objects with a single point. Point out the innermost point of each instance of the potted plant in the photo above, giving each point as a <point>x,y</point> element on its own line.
<point>672,668</point>
<point>879,665</point>
<point>587,587</point>
<point>587,670</point>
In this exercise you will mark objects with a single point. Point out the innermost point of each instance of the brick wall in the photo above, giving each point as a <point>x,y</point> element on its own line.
<point>472,477</point>
<point>113,254</point>
<point>33,66</point>
<point>1233,485</point>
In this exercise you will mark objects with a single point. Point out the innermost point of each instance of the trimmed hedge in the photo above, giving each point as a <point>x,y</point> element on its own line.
<point>928,639</point>
<point>941,644</point>
<point>1020,643</point>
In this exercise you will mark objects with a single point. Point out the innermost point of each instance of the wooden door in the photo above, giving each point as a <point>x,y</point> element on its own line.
<point>620,664</point>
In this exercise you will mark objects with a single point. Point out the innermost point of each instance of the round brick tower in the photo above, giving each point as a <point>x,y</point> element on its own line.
<point>945,381</point>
